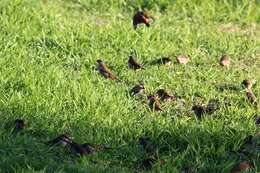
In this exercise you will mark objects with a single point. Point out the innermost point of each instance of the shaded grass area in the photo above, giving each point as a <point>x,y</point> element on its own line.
<point>48,58</point>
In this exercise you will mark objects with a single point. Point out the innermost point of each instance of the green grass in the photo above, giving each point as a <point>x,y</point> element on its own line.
<point>48,53</point>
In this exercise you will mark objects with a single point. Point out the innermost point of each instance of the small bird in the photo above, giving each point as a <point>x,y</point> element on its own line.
<point>78,149</point>
<point>133,64</point>
<point>242,166</point>
<point>143,141</point>
<point>148,163</point>
<point>248,140</point>
<point>165,61</point>
<point>61,140</point>
<point>164,95</point>
<point>225,61</point>
<point>199,110</point>
<point>105,71</point>
<point>212,106</point>
<point>252,98</point>
<point>19,125</point>
<point>257,120</point>
<point>93,147</point>
<point>137,89</point>
<point>154,103</point>
<point>146,145</point>
<point>141,17</point>
<point>182,59</point>
<point>247,83</point>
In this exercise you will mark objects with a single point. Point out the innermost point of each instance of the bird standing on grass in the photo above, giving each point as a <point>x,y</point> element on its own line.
<point>105,71</point>
<point>19,125</point>
<point>86,148</point>
<point>137,89</point>
<point>199,110</point>
<point>166,61</point>
<point>133,64</point>
<point>94,147</point>
<point>241,167</point>
<point>252,98</point>
<point>248,84</point>
<point>61,140</point>
<point>154,103</point>
<point>212,106</point>
<point>141,17</point>
<point>182,59</point>
<point>164,95</point>
<point>78,149</point>
<point>224,61</point>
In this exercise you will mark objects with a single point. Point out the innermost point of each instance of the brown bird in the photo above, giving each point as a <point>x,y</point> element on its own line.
<point>165,61</point>
<point>137,89</point>
<point>143,141</point>
<point>105,71</point>
<point>225,61</point>
<point>19,125</point>
<point>148,163</point>
<point>164,95</point>
<point>146,145</point>
<point>154,103</point>
<point>212,106</point>
<point>182,59</point>
<point>133,64</point>
<point>248,140</point>
<point>252,98</point>
<point>257,120</point>
<point>242,166</point>
<point>141,17</point>
<point>199,110</point>
<point>247,84</point>
<point>93,147</point>
<point>61,140</point>
<point>78,149</point>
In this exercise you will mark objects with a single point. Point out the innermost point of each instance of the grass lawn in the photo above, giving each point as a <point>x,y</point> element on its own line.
<point>48,77</point>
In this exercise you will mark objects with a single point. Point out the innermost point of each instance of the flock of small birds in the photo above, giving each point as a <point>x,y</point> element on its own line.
<point>154,104</point>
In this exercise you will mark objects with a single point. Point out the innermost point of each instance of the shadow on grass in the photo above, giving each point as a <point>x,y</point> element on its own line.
<point>181,150</point>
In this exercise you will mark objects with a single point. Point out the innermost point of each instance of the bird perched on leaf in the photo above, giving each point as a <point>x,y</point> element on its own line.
<point>141,17</point>
<point>133,64</point>
<point>225,61</point>
<point>252,98</point>
<point>61,140</point>
<point>105,71</point>
<point>164,95</point>
<point>182,59</point>
<point>137,89</point>
<point>247,83</point>
<point>154,103</point>
<point>19,125</point>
